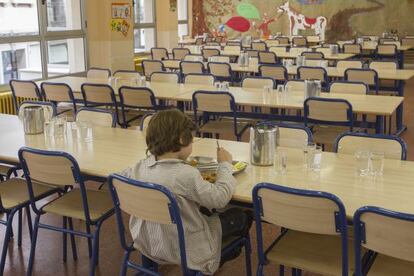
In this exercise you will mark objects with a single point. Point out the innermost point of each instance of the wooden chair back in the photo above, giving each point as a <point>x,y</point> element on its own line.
<point>232,48</point>
<point>313,55</point>
<point>180,53</point>
<point>127,74</point>
<point>151,66</point>
<point>258,83</point>
<point>367,76</point>
<point>293,137</point>
<point>219,69</point>
<point>96,117</point>
<point>267,57</point>
<point>316,73</point>
<point>278,50</point>
<point>283,40</point>
<point>206,52</point>
<point>383,65</point>
<point>213,102</point>
<point>259,46</point>
<point>57,92</point>
<point>25,89</point>
<point>225,59</point>
<point>141,97</point>
<point>193,57</point>
<point>169,77</point>
<point>299,41</point>
<point>352,48</point>
<point>272,43</point>
<point>278,73</point>
<point>191,67</point>
<point>345,64</point>
<point>356,88</point>
<point>252,53</point>
<point>295,85</point>
<point>159,53</point>
<point>387,49</point>
<point>298,50</point>
<point>328,110</point>
<point>98,73</point>
<point>98,94</point>
<point>200,79</point>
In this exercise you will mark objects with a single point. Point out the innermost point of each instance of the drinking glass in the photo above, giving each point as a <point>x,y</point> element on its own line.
<point>307,154</point>
<point>217,85</point>
<point>267,89</point>
<point>49,128</point>
<point>281,162</point>
<point>362,162</point>
<point>59,127</point>
<point>376,161</point>
<point>225,86</point>
<point>316,159</point>
<point>280,89</point>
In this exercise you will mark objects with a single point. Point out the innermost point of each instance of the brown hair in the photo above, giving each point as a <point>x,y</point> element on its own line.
<point>165,129</point>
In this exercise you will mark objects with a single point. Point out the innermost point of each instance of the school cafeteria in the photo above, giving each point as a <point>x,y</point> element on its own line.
<point>206,137</point>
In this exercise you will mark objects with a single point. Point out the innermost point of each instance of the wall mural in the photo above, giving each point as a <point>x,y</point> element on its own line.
<point>331,19</point>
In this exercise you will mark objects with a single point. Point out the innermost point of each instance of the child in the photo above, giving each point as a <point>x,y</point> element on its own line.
<point>169,140</point>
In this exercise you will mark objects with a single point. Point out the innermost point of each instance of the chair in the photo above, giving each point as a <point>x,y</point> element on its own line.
<point>267,57</point>
<point>49,108</point>
<point>284,40</point>
<point>345,64</point>
<point>349,48</point>
<point>258,82</point>
<point>383,65</point>
<point>61,171</point>
<point>387,235</point>
<point>159,54</point>
<point>191,67</point>
<point>22,89</point>
<point>151,66</point>
<point>96,117</point>
<point>96,95</point>
<point>317,73</point>
<point>292,135</point>
<point>259,46</point>
<point>169,77</point>
<point>272,43</point>
<point>408,41</point>
<point>206,53</point>
<point>199,41</point>
<point>180,53</point>
<point>145,120</point>
<point>367,76</point>
<point>98,73</point>
<point>213,43</point>
<point>386,51</point>
<point>328,117</point>
<point>295,85</point>
<point>221,71</point>
<point>198,58</point>
<point>278,50</point>
<point>212,103</point>
<point>349,87</point>
<point>314,230</point>
<point>252,53</point>
<point>300,41</point>
<point>200,79</point>
<point>59,93</point>
<point>137,98</point>
<point>233,43</point>
<point>393,147</point>
<point>325,50</point>
<point>313,55</point>
<point>155,203</point>
<point>314,62</point>
<point>127,74</point>
<point>14,197</point>
<point>277,72</point>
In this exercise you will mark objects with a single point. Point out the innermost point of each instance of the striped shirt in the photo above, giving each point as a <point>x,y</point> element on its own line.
<point>202,234</point>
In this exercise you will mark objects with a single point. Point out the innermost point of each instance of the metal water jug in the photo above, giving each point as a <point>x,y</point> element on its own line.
<point>334,49</point>
<point>33,118</point>
<point>263,143</point>
<point>312,88</point>
<point>300,61</point>
<point>243,59</point>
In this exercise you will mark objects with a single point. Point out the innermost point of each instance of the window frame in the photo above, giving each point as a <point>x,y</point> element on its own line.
<point>182,22</point>
<point>44,36</point>
<point>140,26</point>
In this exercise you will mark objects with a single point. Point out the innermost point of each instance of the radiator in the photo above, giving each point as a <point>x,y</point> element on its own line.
<point>6,103</point>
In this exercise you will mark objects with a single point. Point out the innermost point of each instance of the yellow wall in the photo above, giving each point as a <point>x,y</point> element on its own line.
<point>108,48</point>
<point>167,25</point>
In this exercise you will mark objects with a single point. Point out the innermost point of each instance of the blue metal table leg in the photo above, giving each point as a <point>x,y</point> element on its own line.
<point>400,110</point>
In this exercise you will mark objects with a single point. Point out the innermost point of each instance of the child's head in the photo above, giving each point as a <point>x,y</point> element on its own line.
<point>170,131</point>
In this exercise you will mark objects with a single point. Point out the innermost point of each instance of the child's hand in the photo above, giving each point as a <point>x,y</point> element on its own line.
<point>224,156</point>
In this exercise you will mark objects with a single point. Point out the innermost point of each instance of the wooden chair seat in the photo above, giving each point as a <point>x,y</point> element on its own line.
<point>221,126</point>
<point>311,252</point>
<point>326,135</point>
<point>385,265</point>
<point>70,205</point>
<point>15,192</point>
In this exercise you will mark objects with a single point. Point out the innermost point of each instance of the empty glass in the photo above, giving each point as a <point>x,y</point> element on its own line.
<point>316,159</point>
<point>362,162</point>
<point>59,127</point>
<point>281,165</point>
<point>217,85</point>
<point>267,89</point>
<point>308,148</point>
<point>280,89</point>
<point>225,86</point>
<point>376,163</point>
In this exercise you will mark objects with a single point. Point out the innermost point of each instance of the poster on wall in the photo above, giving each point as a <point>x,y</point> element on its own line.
<point>121,11</point>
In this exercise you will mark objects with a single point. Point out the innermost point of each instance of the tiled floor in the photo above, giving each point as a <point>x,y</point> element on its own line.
<point>49,249</point>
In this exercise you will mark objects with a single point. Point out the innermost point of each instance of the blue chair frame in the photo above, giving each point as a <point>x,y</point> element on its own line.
<point>350,116</point>
<point>206,115</point>
<point>362,266</point>
<point>286,76</point>
<point>152,61</point>
<point>376,136</point>
<point>376,79</point>
<point>259,78</point>
<point>150,267</point>
<point>70,93</point>
<point>267,63</point>
<point>92,109</point>
<point>325,81</point>
<point>16,103</point>
<point>93,238</point>
<point>124,106</point>
<point>340,221</point>
<point>219,78</point>
<point>97,104</point>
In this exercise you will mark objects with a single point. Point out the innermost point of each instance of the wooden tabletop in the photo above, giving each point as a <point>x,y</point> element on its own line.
<point>113,149</point>
<point>362,104</point>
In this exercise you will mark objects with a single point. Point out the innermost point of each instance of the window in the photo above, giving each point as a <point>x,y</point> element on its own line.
<point>182,10</point>
<point>144,30</point>
<point>40,39</point>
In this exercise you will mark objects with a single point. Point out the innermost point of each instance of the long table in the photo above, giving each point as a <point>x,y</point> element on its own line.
<point>113,149</point>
